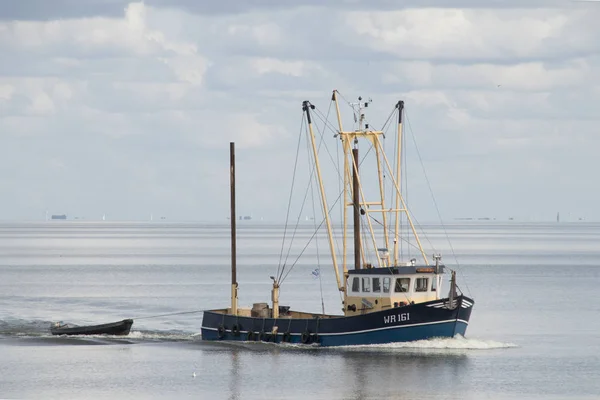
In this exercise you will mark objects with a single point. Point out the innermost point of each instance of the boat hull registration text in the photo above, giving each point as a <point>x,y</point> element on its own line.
<point>391,319</point>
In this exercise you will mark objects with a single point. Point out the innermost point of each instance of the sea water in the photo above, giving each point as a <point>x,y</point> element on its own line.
<point>533,334</point>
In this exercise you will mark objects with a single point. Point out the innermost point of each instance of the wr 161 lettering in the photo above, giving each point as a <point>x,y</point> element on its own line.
<point>390,319</point>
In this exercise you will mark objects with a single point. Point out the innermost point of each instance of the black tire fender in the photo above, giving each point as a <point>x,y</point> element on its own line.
<point>305,338</point>
<point>221,331</point>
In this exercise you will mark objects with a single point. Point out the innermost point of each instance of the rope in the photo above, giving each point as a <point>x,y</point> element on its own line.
<point>311,238</point>
<point>280,272</point>
<point>166,315</point>
<point>312,193</point>
<point>405,180</point>
<point>290,198</point>
<point>436,206</point>
<point>281,276</point>
<point>318,114</point>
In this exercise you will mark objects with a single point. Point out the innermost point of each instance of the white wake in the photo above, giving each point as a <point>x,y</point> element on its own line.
<point>456,343</point>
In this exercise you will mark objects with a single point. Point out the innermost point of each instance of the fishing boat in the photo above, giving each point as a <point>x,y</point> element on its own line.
<point>120,328</point>
<point>385,298</point>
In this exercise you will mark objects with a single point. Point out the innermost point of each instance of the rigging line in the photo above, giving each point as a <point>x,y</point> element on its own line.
<point>401,238</point>
<point>364,157</point>
<point>435,203</point>
<point>318,113</point>
<point>327,148</point>
<point>312,193</point>
<point>392,218</point>
<point>383,127</point>
<point>313,169</point>
<point>326,123</point>
<point>375,219</point>
<point>335,163</point>
<point>312,172</point>
<point>410,245</point>
<point>291,193</point>
<point>366,243</point>
<point>311,238</point>
<point>349,105</point>
<point>297,222</point>
<point>322,132</point>
<point>168,314</point>
<point>280,273</point>
<point>364,227</point>
<point>340,179</point>
<point>343,98</point>
<point>322,138</point>
<point>399,233</point>
<point>302,252</point>
<point>407,211</point>
<point>406,175</point>
<point>386,121</point>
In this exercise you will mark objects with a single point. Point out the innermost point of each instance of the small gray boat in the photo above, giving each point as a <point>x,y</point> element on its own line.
<point>120,328</point>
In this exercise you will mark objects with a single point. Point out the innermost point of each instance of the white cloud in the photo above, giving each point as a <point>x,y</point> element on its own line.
<point>189,69</point>
<point>129,36</point>
<point>462,34</point>
<point>522,76</point>
<point>267,65</point>
<point>144,103</point>
<point>265,34</point>
<point>41,104</point>
<point>6,92</point>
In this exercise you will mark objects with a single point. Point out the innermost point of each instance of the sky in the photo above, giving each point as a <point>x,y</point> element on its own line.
<point>126,109</point>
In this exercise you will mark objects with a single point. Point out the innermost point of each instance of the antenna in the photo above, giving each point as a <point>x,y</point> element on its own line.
<point>359,113</point>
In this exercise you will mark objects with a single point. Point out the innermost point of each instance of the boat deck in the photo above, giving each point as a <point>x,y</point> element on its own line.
<point>247,312</point>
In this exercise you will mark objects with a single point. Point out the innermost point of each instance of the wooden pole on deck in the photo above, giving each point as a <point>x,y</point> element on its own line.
<point>233,229</point>
<point>356,202</point>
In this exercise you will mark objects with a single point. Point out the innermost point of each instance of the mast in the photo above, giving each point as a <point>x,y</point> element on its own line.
<point>234,284</point>
<point>356,201</point>
<point>345,146</point>
<point>354,196</point>
<point>347,137</point>
<point>400,107</point>
<point>306,107</point>
<point>405,210</point>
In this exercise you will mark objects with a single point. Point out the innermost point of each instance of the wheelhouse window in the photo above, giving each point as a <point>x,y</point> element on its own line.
<point>386,285</point>
<point>421,284</point>
<point>376,285</point>
<point>366,285</point>
<point>356,284</point>
<point>402,285</point>
<point>434,283</point>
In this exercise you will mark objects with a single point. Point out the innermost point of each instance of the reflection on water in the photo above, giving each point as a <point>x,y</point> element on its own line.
<point>265,370</point>
<point>90,273</point>
<point>389,374</point>
<point>234,373</point>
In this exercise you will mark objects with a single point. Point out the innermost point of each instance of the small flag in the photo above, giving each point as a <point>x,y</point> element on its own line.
<point>316,273</point>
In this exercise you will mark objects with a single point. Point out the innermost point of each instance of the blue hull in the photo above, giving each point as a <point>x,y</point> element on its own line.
<point>400,324</point>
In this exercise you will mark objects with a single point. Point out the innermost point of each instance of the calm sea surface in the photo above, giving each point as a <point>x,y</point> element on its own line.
<point>534,331</point>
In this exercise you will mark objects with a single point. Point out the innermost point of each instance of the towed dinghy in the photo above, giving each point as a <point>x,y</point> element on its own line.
<point>120,328</point>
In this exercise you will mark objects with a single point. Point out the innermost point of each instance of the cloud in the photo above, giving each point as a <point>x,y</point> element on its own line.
<point>527,76</point>
<point>128,107</point>
<point>471,34</point>
<point>69,9</point>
